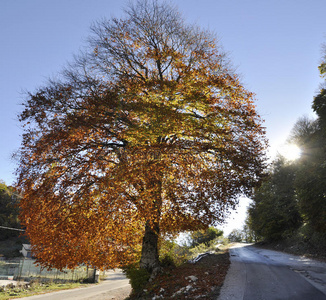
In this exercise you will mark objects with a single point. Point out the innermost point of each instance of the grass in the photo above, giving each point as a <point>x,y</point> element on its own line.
<point>34,288</point>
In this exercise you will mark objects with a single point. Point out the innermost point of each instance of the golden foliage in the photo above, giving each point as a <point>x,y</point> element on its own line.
<point>150,128</point>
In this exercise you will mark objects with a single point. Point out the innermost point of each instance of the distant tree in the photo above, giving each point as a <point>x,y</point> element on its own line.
<point>205,236</point>
<point>249,234</point>
<point>147,133</point>
<point>303,132</point>
<point>322,66</point>
<point>236,236</point>
<point>274,212</point>
<point>319,106</point>
<point>8,211</point>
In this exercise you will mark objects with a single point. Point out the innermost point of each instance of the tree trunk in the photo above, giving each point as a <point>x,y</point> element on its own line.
<point>149,257</point>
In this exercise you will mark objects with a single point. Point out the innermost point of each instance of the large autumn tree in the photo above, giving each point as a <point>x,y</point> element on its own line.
<point>147,133</point>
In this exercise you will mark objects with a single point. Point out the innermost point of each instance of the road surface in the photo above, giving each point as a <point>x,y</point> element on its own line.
<point>259,274</point>
<point>115,286</point>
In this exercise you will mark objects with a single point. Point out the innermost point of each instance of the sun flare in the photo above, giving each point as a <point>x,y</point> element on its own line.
<point>290,151</point>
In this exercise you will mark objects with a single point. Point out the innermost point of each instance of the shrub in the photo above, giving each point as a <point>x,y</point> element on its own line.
<point>172,254</point>
<point>138,278</point>
<point>168,261</point>
<point>205,236</point>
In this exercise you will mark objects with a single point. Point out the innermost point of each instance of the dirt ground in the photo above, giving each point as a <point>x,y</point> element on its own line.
<point>201,280</point>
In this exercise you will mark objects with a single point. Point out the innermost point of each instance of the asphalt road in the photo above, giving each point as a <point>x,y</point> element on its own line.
<point>258,274</point>
<point>115,286</point>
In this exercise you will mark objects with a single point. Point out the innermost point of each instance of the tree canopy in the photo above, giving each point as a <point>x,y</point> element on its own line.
<point>149,132</point>
<point>274,213</point>
<point>311,171</point>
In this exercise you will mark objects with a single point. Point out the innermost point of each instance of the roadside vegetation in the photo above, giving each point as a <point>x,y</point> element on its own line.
<point>279,217</point>
<point>194,270</point>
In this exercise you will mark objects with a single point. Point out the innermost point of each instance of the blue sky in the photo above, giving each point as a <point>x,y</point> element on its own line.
<point>275,45</point>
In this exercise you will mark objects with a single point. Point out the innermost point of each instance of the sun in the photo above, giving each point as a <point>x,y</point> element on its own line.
<point>290,151</point>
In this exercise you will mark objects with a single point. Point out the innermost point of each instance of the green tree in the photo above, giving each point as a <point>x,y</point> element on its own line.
<point>300,189</point>
<point>322,66</point>
<point>311,173</point>
<point>236,236</point>
<point>148,133</point>
<point>249,235</point>
<point>8,211</point>
<point>274,212</point>
<point>204,236</point>
<point>319,107</point>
